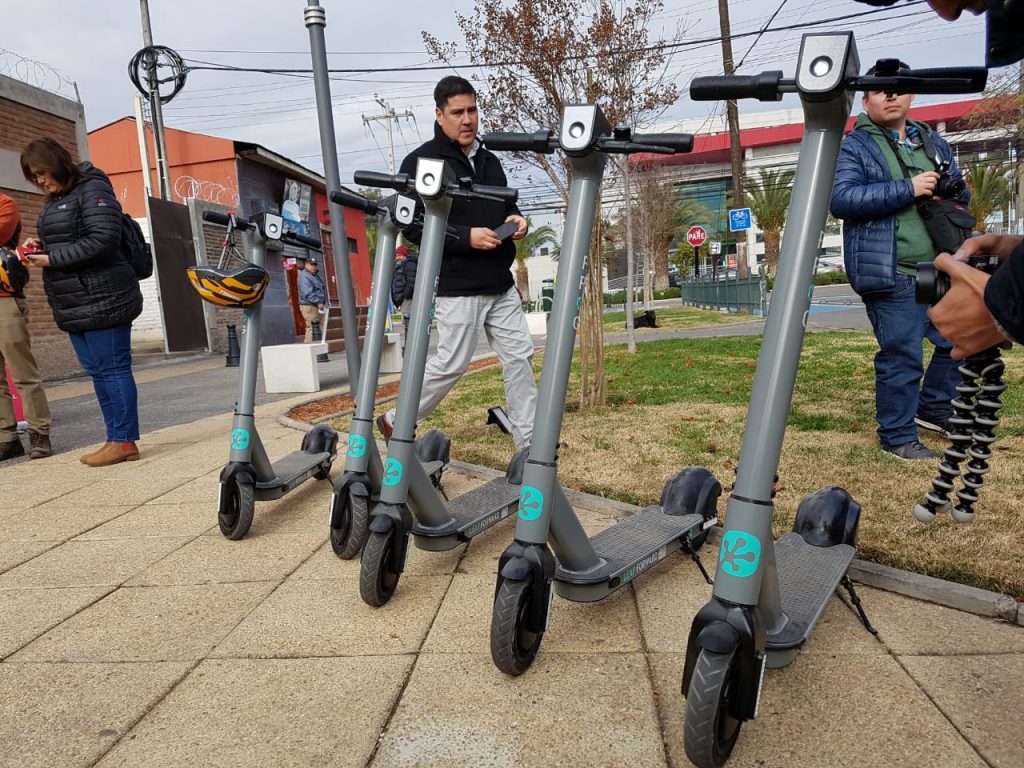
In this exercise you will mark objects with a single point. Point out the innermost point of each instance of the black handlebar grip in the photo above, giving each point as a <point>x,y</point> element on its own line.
<point>763,87</point>
<point>352,200</point>
<point>309,242</point>
<point>399,181</point>
<point>932,81</point>
<point>680,142</point>
<point>222,218</point>
<point>540,141</point>
<point>508,194</point>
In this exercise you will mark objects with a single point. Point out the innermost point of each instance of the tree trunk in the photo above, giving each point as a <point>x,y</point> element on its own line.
<point>592,390</point>
<point>630,264</point>
<point>523,281</point>
<point>771,251</point>
<point>661,268</point>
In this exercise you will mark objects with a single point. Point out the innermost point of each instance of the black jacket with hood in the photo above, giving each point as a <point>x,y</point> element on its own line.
<point>89,284</point>
<point>467,271</point>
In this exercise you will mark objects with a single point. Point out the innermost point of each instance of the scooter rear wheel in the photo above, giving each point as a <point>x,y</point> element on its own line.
<point>709,731</point>
<point>513,644</point>
<point>236,520</point>
<point>377,582</point>
<point>348,539</point>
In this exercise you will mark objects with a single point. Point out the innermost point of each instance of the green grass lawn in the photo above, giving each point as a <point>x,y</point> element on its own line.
<point>674,317</point>
<point>682,402</point>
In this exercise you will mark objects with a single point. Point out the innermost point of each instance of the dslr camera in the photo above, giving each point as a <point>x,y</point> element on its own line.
<point>947,187</point>
<point>932,284</point>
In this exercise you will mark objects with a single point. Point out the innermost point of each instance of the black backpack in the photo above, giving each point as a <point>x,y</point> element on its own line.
<point>135,249</point>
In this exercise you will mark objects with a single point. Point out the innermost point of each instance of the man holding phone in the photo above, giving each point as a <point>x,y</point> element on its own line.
<point>476,292</point>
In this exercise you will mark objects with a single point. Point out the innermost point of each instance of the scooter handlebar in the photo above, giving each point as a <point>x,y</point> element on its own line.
<point>224,219</point>
<point>397,181</point>
<point>352,200</point>
<point>504,194</point>
<point>677,142</point>
<point>309,242</point>
<point>932,81</point>
<point>763,87</point>
<point>542,142</point>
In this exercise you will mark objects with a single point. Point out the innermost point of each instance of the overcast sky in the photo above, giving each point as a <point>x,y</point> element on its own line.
<point>91,43</point>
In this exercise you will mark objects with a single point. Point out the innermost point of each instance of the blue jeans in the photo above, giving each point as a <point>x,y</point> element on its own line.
<point>106,355</point>
<point>900,326</point>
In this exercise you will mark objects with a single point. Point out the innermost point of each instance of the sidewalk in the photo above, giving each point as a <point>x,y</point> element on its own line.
<point>133,634</point>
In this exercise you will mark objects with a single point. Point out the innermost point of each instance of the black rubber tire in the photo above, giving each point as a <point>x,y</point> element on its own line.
<point>377,582</point>
<point>236,523</point>
<point>513,645</point>
<point>349,538</point>
<point>709,732</point>
<point>324,473</point>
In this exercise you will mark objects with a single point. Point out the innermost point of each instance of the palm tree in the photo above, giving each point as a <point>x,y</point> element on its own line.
<point>990,190</point>
<point>769,200</point>
<point>525,248</point>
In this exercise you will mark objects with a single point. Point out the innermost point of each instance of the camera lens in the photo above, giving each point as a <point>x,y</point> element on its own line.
<point>949,188</point>
<point>931,284</point>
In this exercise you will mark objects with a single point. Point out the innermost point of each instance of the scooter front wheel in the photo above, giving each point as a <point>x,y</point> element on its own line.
<point>348,538</point>
<point>710,731</point>
<point>513,644</point>
<point>377,580</point>
<point>235,520</point>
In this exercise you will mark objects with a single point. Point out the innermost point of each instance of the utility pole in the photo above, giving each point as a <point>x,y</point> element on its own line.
<point>389,116</point>
<point>156,108</point>
<point>735,151</point>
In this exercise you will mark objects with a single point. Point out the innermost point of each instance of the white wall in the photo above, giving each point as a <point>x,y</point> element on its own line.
<point>148,327</point>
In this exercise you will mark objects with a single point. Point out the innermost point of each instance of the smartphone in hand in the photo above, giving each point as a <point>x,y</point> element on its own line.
<point>507,229</point>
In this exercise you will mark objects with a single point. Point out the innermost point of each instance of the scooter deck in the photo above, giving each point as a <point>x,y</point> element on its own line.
<point>471,513</point>
<point>808,576</point>
<point>291,471</point>
<point>626,550</point>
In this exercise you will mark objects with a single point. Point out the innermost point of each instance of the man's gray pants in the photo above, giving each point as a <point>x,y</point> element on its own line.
<point>460,319</point>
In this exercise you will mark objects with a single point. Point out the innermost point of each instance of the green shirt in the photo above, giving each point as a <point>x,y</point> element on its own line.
<point>913,244</point>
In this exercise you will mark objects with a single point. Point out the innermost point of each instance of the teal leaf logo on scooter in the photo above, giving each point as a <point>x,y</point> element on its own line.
<point>531,503</point>
<point>740,554</point>
<point>356,446</point>
<point>392,472</point>
<point>239,439</point>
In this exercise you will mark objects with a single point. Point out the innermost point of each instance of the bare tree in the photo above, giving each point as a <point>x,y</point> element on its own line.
<point>540,55</point>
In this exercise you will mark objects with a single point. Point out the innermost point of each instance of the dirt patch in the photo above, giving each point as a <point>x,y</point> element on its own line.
<point>336,405</point>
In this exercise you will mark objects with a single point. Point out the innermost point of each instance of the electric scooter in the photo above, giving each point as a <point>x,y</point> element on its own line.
<point>249,475</point>
<point>364,469</point>
<point>408,504</point>
<point>768,596</point>
<point>580,568</point>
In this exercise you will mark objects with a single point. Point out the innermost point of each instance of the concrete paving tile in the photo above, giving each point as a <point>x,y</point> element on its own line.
<point>913,627</point>
<point>854,711</point>
<point>271,712</point>
<point>89,563</point>
<point>156,520</point>
<point>301,512</point>
<point>202,489</point>
<point>178,623</point>
<point>327,565</point>
<point>27,613</point>
<point>14,553</point>
<point>128,488</point>
<point>463,624</point>
<point>328,618</point>
<point>216,560</point>
<point>68,715</point>
<point>983,696</point>
<point>567,710</point>
<point>58,520</point>
<point>38,491</point>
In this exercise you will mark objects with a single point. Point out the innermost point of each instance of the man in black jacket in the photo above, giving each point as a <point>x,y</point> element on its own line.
<point>979,311</point>
<point>475,292</point>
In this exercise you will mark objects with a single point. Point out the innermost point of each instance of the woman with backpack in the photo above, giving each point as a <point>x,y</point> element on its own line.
<point>90,285</point>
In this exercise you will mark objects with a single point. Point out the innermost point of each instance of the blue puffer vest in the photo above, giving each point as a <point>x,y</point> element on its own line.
<point>867,198</point>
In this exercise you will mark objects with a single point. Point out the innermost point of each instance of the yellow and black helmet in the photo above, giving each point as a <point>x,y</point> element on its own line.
<point>13,274</point>
<point>239,287</point>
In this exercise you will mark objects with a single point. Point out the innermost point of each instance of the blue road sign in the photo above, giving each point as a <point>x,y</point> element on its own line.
<point>739,219</point>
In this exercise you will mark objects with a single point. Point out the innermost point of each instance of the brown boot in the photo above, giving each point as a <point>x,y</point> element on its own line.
<point>113,453</point>
<point>85,458</point>
<point>40,445</point>
<point>11,450</point>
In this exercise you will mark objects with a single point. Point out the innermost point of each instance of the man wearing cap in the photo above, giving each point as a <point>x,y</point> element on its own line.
<point>312,296</point>
<point>16,351</point>
<point>403,282</point>
<point>979,311</point>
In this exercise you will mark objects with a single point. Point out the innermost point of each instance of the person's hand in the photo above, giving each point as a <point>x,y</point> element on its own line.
<point>988,245</point>
<point>523,226</point>
<point>924,183</point>
<point>961,316</point>
<point>32,244</point>
<point>320,307</point>
<point>483,239</point>
<point>37,259</point>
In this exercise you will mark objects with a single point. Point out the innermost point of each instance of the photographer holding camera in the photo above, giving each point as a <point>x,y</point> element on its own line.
<point>888,167</point>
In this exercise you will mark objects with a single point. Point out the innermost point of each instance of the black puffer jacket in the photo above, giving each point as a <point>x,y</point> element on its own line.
<point>89,284</point>
<point>467,271</point>
<point>1004,295</point>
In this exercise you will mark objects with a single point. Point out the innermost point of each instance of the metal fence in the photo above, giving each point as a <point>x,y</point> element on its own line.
<point>730,293</point>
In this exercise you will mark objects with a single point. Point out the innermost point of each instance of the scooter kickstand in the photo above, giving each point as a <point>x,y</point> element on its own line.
<point>848,585</point>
